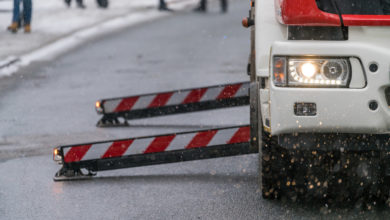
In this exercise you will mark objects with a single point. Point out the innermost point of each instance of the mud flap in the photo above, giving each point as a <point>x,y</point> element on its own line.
<point>152,150</point>
<point>117,111</point>
<point>255,117</point>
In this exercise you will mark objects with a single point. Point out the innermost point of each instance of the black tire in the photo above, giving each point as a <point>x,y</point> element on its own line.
<point>295,174</point>
<point>268,189</point>
<point>275,172</point>
<point>102,3</point>
<point>272,158</point>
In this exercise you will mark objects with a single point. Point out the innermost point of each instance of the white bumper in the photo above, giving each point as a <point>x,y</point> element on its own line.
<point>339,110</point>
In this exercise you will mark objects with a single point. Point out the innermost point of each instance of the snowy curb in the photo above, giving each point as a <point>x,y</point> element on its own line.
<point>49,51</point>
<point>7,64</point>
<point>10,60</point>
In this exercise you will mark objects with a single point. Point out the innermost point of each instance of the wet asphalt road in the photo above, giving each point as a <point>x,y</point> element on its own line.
<point>53,103</point>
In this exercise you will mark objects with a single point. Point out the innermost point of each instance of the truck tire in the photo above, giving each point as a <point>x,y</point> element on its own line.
<point>274,169</point>
<point>272,158</point>
<point>331,176</point>
<point>268,190</point>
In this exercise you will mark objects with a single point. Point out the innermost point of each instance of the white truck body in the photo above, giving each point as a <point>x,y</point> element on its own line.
<point>320,97</point>
<point>339,110</point>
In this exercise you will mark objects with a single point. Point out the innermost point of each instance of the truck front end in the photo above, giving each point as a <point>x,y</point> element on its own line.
<point>323,69</point>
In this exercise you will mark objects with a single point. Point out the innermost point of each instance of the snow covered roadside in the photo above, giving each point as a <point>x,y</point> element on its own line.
<point>56,28</point>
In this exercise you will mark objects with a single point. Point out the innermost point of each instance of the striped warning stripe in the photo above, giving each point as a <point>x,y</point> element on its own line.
<point>157,144</point>
<point>176,98</point>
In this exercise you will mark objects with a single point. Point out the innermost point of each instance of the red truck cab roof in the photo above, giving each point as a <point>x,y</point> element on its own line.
<point>307,13</point>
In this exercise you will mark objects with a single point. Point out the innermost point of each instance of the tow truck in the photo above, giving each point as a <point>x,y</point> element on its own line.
<point>319,97</point>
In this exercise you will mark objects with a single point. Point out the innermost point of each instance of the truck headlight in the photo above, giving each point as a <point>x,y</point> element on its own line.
<point>311,72</point>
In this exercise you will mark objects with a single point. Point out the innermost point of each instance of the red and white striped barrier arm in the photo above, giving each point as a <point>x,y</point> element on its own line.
<point>157,144</point>
<point>179,97</point>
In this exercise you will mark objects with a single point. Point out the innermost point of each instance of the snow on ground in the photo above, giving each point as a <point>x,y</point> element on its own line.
<point>53,20</point>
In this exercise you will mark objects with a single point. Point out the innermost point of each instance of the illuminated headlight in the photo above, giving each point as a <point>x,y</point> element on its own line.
<point>314,72</point>
<point>57,157</point>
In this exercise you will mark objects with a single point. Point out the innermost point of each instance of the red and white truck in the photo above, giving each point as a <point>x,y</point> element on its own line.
<point>320,96</point>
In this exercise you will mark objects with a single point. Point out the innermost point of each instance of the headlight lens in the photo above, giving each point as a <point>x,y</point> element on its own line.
<point>314,72</point>
<point>308,69</point>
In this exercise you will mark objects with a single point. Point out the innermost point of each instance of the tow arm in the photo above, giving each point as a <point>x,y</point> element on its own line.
<point>116,111</point>
<point>82,161</point>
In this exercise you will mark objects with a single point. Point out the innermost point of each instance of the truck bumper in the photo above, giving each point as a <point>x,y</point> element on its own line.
<point>338,110</point>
